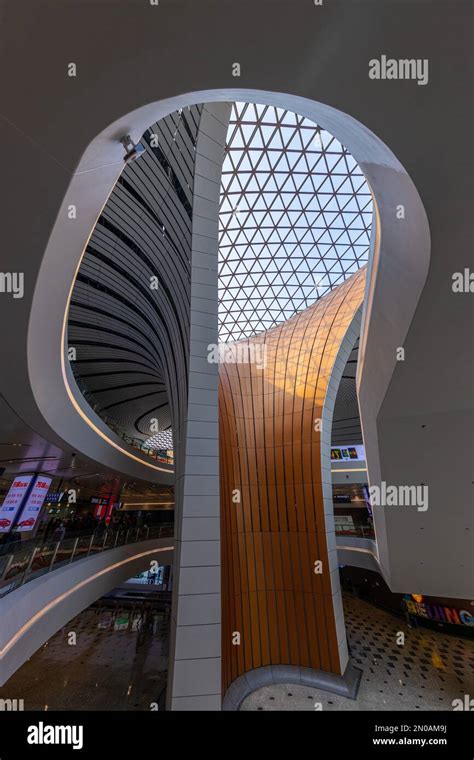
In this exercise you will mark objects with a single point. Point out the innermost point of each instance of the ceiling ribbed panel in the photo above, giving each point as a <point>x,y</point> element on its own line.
<point>130,336</point>
<point>346,428</point>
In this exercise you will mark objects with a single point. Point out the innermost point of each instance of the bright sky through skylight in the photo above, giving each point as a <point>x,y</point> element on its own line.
<point>295,218</point>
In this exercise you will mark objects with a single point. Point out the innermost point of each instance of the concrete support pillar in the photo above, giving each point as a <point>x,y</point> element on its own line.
<point>194,681</point>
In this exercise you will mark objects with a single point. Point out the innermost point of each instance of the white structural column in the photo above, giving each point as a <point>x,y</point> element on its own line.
<point>195,654</point>
<point>343,354</point>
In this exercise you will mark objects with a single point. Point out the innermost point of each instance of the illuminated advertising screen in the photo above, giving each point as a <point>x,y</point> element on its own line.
<point>13,501</point>
<point>347,453</point>
<point>34,502</point>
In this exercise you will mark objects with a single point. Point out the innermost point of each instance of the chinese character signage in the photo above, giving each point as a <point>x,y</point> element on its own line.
<point>33,504</point>
<point>13,501</point>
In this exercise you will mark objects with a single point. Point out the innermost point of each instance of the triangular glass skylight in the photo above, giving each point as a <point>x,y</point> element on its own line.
<point>295,218</point>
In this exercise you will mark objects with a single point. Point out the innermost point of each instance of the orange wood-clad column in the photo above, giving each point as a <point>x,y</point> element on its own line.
<point>272,515</point>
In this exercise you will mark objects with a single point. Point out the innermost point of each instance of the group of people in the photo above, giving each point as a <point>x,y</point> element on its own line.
<point>84,525</point>
<point>57,528</point>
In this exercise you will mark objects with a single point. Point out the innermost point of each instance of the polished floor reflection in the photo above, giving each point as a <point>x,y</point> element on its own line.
<point>118,662</point>
<point>427,673</point>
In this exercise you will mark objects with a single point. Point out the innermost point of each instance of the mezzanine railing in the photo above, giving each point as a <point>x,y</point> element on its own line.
<point>356,531</point>
<point>22,564</point>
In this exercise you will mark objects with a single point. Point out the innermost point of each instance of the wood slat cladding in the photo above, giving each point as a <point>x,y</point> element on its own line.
<point>270,458</point>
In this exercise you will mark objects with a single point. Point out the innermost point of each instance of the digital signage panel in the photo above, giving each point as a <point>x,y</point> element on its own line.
<point>34,502</point>
<point>13,501</point>
<point>347,453</point>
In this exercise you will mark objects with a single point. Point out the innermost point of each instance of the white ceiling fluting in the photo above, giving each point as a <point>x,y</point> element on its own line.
<point>346,427</point>
<point>295,218</point>
<point>131,340</point>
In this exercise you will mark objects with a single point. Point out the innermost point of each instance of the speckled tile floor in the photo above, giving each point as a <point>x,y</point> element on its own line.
<point>104,670</point>
<point>427,673</point>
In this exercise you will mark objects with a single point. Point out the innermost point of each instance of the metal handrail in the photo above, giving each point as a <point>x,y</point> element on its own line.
<point>43,558</point>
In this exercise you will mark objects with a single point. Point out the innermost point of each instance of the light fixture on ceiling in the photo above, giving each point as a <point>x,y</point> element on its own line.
<point>132,150</point>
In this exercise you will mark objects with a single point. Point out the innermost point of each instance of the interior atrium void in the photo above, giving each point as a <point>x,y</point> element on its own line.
<point>236,387</point>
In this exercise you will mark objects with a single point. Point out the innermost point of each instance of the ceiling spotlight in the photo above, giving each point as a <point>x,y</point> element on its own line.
<point>132,150</point>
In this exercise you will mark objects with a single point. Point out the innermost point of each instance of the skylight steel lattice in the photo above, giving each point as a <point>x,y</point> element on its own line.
<point>295,218</point>
<point>161,440</point>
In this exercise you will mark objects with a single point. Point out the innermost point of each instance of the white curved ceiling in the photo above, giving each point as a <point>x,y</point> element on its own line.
<point>295,218</point>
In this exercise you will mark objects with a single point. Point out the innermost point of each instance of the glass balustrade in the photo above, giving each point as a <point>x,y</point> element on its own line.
<point>356,531</point>
<point>22,563</point>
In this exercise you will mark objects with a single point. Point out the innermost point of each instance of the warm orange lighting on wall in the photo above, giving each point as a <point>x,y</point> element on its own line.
<point>270,454</point>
